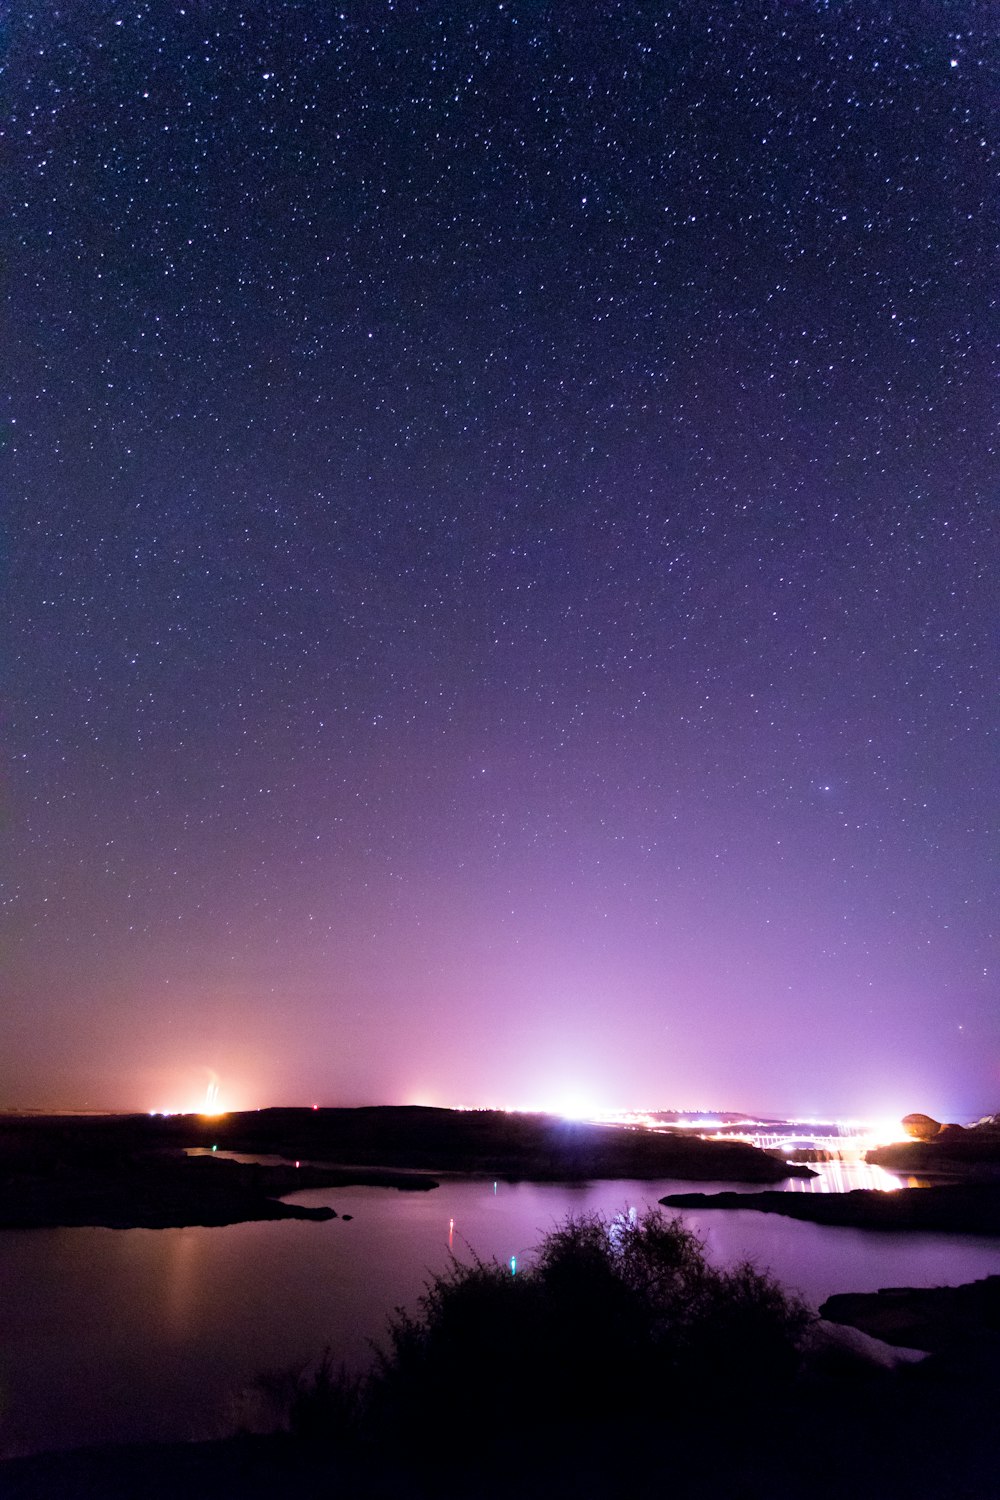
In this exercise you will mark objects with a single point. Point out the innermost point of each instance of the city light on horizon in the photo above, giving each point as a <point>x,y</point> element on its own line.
<point>570,1105</point>
<point>206,1092</point>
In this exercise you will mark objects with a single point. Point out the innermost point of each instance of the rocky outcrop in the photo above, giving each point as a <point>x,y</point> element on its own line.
<point>943,1150</point>
<point>938,1319</point>
<point>828,1343</point>
<point>925,1128</point>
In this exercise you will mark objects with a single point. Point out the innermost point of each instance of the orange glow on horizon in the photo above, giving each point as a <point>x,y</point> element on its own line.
<point>209,1106</point>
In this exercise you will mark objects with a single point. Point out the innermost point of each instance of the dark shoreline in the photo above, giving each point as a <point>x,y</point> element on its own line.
<point>955,1208</point>
<point>177,1191</point>
<point>938,1319</point>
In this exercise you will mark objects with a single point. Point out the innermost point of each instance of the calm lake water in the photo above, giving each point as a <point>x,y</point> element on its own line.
<point>117,1335</point>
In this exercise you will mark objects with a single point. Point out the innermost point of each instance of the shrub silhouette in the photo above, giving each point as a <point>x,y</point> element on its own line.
<point>616,1332</point>
<point>612,1320</point>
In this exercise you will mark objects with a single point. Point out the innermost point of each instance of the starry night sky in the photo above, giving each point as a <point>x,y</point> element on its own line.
<point>501,554</point>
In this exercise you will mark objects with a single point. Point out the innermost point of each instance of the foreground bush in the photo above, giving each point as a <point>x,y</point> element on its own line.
<point>611,1323</point>
<point>617,1333</point>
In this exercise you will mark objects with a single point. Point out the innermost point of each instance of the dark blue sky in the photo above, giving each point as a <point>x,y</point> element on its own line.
<point>502,555</point>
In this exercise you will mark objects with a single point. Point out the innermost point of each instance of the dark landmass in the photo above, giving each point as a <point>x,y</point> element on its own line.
<point>941,1319</point>
<point>490,1143</point>
<point>958,1208</point>
<point>161,1191</point>
<point>971,1153</point>
<point>130,1170</point>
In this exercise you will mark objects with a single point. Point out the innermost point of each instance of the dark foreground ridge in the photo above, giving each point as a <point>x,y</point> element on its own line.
<point>617,1362</point>
<point>961,1208</point>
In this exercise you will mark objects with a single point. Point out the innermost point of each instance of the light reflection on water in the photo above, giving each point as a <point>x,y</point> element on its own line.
<point>845,1175</point>
<point>113,1335</point>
